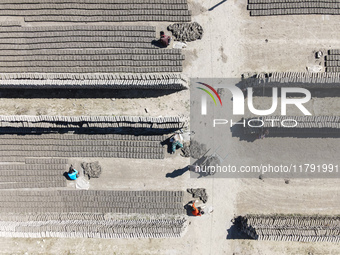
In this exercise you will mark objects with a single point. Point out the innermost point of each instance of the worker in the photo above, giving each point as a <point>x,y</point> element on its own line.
<point>165,39</point>
<point>73,173</point>
<point>195,211</point>
<point>175,142</point>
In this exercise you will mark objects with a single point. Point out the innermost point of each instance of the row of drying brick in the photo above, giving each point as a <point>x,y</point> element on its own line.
<point>122,18</point>
<point>81,148</point>
<point>77,33</point>
<point>172,211</point>
<point>89,63</point>
<point>297,11</point>
<point>31,185</point>
<point>104,69</point>
<point>138,200</point>
<point>84,137</point>
<point>70,13</point>
<point>108,76</point>
<point>96,1</point>
<point>97,57</point>
<point>11,45</point>
<point>96,193</point>
<point>31,29</point>
<point>18,173</point>
<point>48,166</point>
<point>32,178</point>
<point>55,142</point>
<point>294,5</point>
<point>90,154</point>
<point>290,1</point>
<point>96,6</point>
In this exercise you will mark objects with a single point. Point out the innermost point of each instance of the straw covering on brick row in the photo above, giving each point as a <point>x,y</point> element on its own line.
<point>93,81</point>
<point>294,125</point>
<point>293,79</point>
<point>91,225</point>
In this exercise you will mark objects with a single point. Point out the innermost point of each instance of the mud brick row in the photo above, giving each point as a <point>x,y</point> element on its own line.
<point>123,18</point>
<point>12,45</point>
<point>96,193</point>
<point>61,142</point>
<point>9,173</point>
<point>118,201</point>
<point>97,57</point>
<point>91,28</point>
<point>95,63</point>
<point>293,7</point>
<point>301,228</point>
<point>321,80</point>
<point>27,185</point>
<point>290,1</point>
<point>96,1</point>
<point>84,49</point>
<point>79,34</point>
<point>50,166</point>
<point>65,146</point>
<point>32,179</point>
<point>70,149</point>
<point>156,69</point>
<point>90,154</point>
<point>12,159</point>
<point>45,160</point>
<point>332,62</point>
<point>123,51</point>
<point>65,14</point>
<point>70,137</point>
<point>93,6</point>
<point>98,11</point>
<point>83,38</point>
<point>302,11</point>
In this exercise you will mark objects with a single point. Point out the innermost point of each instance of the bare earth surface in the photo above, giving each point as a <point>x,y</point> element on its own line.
<point>233,43</point>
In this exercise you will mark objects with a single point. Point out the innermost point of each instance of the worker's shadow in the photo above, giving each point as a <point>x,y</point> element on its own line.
<point>158,44</point>
<point>168,144</point>
<point>66,176</point>
<point>188,209</point>
<point>177,172</point>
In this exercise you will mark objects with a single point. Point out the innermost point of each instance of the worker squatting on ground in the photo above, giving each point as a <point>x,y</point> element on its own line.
<point>73,173</point>
<point>176,142</point>
<point>165,39</point>
<point>196,211</point>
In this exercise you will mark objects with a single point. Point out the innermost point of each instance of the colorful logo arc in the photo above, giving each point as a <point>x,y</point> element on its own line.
<point>209,93</point>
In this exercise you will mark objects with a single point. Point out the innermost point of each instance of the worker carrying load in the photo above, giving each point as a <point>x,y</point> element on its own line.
<point>176,141</point>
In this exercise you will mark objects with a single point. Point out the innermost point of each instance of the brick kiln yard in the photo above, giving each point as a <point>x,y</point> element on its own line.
<point>234,43</point>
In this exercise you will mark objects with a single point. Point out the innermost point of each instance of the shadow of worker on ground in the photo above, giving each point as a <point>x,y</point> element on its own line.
<point>212,8</point>
<point>177,172</point>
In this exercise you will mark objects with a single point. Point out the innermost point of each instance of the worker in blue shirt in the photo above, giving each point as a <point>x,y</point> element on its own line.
<point>73,173</point>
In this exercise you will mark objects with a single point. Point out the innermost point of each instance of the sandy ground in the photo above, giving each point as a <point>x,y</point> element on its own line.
<point>233,43</point>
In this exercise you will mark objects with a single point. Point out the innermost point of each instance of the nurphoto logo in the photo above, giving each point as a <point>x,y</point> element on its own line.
<point>238,100</point>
